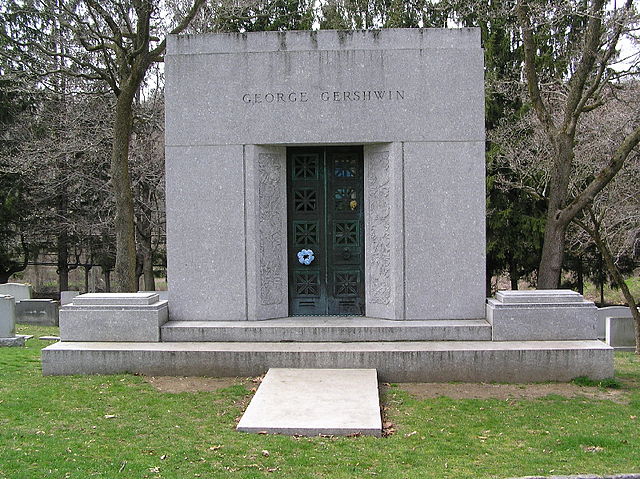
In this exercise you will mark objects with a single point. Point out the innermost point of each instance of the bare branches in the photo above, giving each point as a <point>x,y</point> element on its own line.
<point>604,177</point>
<point>530,68</point>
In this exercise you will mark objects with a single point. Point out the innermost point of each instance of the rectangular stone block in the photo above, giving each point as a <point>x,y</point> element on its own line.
<point>315,401</point>
<point>620,333</point>
<point>539,296</point>
<point>404,361</point>
<point>120,299</point>
<point>39,312</point>
<point>7,316</point>
<point>206,242</point>
<point>444,223</point>
<point>113,322</point>
<point>527,320</point>
<point>163,295</point>
<point>18,290</point>
<point>325,87</point>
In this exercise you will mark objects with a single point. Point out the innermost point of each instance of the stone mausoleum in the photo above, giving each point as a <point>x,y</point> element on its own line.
<point>326,208</point>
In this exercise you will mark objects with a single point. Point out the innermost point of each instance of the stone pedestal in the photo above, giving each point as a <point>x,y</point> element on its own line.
<point>7,322</point>
<point>541,315</point>
<point>38,312</point>
<point>113,317</point>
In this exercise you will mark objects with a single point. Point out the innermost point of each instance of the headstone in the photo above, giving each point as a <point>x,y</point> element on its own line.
<point>18,290</point>
<point>610,312</point>
<point>7,322</point>
<point>620,333</point>
<point>38,312</point>
<point>113,317</point>
<point>541,315</point>
<point>66,297</point>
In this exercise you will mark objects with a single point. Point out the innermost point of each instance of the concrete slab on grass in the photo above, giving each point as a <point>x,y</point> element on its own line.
<point>309,402</point>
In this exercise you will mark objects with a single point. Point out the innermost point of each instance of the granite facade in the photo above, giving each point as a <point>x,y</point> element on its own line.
<point>413,98</point>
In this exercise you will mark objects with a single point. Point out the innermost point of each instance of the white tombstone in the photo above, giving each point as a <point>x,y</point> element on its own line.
<point>610,312</point>
<point>18,290</point>
<point>620,333</point>
<point>8,322</point>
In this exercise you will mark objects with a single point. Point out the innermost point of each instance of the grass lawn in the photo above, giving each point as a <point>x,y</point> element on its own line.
<point>122,426</point>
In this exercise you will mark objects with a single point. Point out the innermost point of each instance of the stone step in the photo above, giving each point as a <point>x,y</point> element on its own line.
<point>326,329</point>
<point>308,402</point>
<point>408,361</point>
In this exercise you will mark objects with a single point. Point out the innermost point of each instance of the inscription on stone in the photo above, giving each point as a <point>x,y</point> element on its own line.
<point>256,98</point>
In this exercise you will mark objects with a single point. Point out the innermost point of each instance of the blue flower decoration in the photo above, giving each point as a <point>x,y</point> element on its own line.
<point>305,256</point>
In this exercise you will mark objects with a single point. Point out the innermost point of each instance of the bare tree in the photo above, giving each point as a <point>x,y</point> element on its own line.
<point>115,44</point>
<point>559,111</point>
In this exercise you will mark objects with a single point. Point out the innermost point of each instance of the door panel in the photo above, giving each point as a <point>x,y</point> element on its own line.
<point>326,215</point>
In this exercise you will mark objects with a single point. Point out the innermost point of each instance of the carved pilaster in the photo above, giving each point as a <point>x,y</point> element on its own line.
<point>272,236</point>
<point>379,235</point>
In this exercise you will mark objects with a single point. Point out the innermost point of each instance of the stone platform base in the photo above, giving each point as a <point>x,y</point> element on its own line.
<point>407,361</point>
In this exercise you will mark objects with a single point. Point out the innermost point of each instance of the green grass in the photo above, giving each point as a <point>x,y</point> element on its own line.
<point>120,426</point>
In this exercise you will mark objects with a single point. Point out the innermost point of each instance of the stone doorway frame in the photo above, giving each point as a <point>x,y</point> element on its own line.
<point>266,230</point>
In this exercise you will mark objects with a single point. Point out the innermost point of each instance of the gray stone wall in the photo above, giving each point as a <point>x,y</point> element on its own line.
<point>414,98</point>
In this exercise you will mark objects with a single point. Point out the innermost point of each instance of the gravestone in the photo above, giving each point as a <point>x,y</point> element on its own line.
<point>609,312</point>
<point>19,291</point>
<point>38,312</point>
<point>7,322</point>
<point>620,333</point>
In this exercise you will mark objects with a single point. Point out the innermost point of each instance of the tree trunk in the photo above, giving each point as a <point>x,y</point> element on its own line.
<point>107,280</point>
<point>488,288</point>
<point>143,229</point>
<point>580,271</point>
<point>63,262</point>
<point>87,269</point>
<point>513,275</point>
<point>552,255</point>
<point>147,268</point>
<point>556,225</point>
<point>125,268</point>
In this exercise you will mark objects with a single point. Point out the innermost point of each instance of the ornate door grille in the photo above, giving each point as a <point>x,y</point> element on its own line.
<point>326,217</point>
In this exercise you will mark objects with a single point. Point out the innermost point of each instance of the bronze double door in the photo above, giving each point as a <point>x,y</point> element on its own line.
<point>325,207</point>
